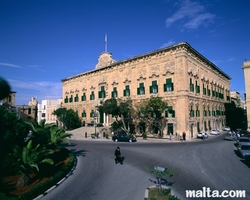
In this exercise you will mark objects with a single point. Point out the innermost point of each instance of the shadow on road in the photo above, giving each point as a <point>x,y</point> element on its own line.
<point>78,153</point>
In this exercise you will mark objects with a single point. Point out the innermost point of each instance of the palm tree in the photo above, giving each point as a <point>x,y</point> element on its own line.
<point>58,135</point>
<point>41,131</point>
<point>29,159</point>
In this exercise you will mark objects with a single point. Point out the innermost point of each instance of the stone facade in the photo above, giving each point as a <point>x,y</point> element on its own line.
<point>246,68</point>
<point>194,88</point>
<point>27,112</point>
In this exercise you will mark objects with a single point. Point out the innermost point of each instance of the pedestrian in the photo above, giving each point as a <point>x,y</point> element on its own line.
<point>238,135</point>
<point>203,136</point>
<point>184,136</point>
<point>170,136</point>
<point>118,156</point>
<point>175,135</point>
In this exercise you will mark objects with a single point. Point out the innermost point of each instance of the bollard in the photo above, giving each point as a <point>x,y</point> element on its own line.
<point>86,135</point>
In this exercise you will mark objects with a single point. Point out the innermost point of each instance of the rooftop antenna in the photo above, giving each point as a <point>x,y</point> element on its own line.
<point>106,42</point>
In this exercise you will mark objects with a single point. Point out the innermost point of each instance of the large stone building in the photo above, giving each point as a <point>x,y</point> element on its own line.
<point>246,68</point>
<point>194,88</point>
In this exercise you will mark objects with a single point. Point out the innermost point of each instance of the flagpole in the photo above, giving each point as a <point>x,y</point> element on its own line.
<point>106,43</point>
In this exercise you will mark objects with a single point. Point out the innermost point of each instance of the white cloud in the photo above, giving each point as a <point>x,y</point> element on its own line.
<point>41,90</point>
<point>11,65</point>
<point>169,43</point>
<point>190,15</point>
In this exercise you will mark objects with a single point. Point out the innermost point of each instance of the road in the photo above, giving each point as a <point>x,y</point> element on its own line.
<point>211,163</point>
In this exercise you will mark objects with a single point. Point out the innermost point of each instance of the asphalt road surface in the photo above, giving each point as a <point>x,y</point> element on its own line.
<point>211,163</point>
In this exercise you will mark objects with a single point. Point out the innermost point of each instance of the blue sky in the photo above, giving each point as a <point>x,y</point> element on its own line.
<point>45,41</point>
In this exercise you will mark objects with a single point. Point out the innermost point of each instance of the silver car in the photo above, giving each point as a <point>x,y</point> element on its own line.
<point>244,150</point>
<point>230,136</point>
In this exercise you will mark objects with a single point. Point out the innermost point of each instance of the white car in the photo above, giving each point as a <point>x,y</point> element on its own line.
<point>226,128</point>
<point>215,132</point>
<point>200,135</point>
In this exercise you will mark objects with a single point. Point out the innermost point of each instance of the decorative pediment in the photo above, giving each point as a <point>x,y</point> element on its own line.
<point>114,82</point>
<point>193,73</point>
<point>155,71</point>
<point>127,80</point>
<point>92,87</point>
<point>105,59</point>
<point>76,90</point>
<point>102,79</point>
<point>71,91</point>
<point>66,92</point>
<point>141,74</point>
<point>169,68</point>
<point>84,89</point>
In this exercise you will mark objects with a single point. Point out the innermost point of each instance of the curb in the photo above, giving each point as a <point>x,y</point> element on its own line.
<point>59,182</point>
<point>156,186</point>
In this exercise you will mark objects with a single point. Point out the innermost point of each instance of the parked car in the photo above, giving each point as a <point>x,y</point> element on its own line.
<point>244,150</point>
<point>226,128</point>
<point>215,132</point>
<point>243,141</point>
<point>230,136</point>
<point>124,138</point>
<point>200,135</point>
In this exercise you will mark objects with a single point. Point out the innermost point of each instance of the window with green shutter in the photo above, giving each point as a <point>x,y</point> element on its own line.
<point>126,92</point>
<point>84,113</point>
<point>191,111</point>
<point>114,93</point>
<point>92,96</point>
<point>66,100</point>
<point>170,113</point>
<point>191,85</point>
<point>204,112</point>
<point>84,97</point>
<point>153,88</point>
<point>208,91</point>
<point>168,86</point>
<point>76,98</point>
<point>92,114</point>
<point>141,89</point>
<point>208,113</point>
<point>197,87</point>
<point>204,90</point>
<point>71,99</point>
<point>197,111</point>
<point>101,94</point>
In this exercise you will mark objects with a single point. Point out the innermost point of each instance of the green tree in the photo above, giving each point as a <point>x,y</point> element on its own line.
<point>121,110</point>
<point>41,131</point>
<point>160,172</point>
<point>28,160</point>
<point>149,112</point>
<point>69,118</point>
<point>58,135</point>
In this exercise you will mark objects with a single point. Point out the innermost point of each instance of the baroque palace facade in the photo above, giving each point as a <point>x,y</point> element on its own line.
<point>194,88</point>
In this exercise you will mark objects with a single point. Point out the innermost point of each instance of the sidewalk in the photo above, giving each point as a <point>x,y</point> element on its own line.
<point>139,139</point>
<point>80,134</point>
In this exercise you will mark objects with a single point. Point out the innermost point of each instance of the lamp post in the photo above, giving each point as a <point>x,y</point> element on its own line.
<point>95,117</point>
